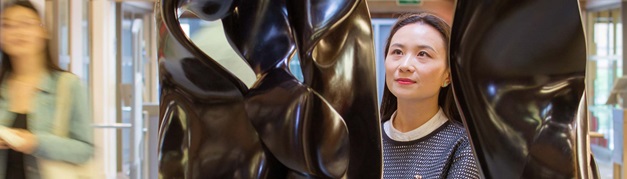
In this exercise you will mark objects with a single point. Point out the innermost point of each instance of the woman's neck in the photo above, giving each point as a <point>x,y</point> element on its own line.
<point>28,68</point>
<point>413,114</point>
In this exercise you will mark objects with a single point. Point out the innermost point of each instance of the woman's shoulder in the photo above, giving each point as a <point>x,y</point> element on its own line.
<point>68,81</point>
<point>64,75</point>
<point>456,130</point>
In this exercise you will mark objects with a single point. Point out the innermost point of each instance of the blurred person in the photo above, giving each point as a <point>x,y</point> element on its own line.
<point>28,95</point>
<point>422,135</point>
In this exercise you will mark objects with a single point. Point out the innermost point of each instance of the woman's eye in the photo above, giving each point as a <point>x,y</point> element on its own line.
<point>423,54</point>
<point>397,52</point>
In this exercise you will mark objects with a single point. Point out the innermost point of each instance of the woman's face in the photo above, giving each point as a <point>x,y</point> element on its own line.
<point>415,66</point>
<point>21,32</point>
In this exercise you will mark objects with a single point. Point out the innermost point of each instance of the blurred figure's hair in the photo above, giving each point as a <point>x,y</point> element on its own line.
<point>5,65</point>
<point>445,98</point>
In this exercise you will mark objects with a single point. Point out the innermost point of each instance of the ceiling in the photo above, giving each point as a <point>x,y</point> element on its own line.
<point>390,8</point>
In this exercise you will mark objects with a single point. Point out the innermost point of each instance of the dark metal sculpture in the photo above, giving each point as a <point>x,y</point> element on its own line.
<point>213,126</point>
<point>518,76</point>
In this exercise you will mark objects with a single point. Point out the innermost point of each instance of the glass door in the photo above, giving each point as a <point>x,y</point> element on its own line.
<point>135,77</point>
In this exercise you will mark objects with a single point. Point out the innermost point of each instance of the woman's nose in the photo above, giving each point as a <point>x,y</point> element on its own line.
<point>406,65</point>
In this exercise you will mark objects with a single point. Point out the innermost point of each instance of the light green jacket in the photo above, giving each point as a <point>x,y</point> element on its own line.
<point>77,148</point>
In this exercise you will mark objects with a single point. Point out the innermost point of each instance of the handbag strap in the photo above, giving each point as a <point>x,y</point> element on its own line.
<point>63,109</point>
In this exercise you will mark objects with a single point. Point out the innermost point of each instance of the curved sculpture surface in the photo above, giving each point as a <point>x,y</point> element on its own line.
<point>213,126</point>
<point>518,76</point>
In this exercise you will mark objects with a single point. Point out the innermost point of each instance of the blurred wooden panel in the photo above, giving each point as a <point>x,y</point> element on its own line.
<point>391,9</point>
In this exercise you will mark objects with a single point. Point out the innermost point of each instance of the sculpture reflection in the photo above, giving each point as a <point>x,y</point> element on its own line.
<point>519,81</point>
<point>214,127</point>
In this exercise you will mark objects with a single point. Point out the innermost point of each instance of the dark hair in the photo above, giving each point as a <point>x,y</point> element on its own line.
<point>445,97</point>
<point>5,65</point>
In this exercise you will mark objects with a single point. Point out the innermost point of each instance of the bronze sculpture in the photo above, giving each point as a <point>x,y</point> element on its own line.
<point>213,126</point>
<point>518,76</point>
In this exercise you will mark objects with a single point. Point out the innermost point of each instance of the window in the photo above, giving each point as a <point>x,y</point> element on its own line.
<point>381,30</point>
<point>604,30</point>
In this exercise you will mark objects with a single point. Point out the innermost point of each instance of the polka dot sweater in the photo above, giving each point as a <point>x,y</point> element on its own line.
<point>444,153</point>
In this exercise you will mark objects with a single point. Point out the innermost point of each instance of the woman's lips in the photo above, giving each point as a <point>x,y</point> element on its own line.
<point>405,81</point>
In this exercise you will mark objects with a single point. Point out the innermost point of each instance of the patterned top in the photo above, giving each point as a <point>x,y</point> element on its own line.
<point>444,153</point>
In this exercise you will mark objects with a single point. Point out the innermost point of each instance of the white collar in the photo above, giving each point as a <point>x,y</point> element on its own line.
<point>425,129</point>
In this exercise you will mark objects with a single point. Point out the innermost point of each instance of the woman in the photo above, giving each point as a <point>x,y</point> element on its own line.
<point>28,89</point>
<point>420,140</point>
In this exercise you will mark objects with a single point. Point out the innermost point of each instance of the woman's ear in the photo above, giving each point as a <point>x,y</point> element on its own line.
<point>45,34</point>
<point>447,78</point>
